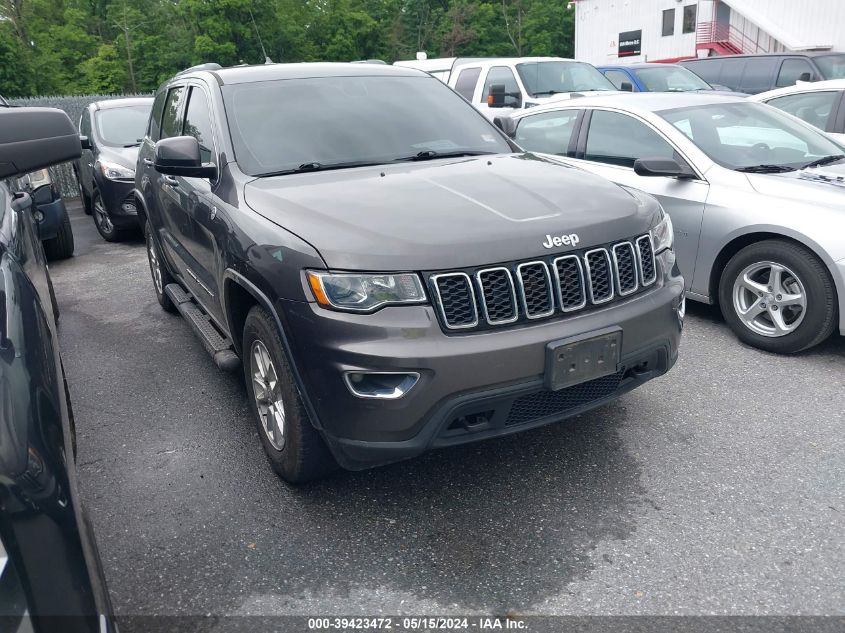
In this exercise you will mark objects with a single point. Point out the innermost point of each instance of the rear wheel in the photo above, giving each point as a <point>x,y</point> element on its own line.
<point>158,270</point>
<point>103,222</point>
<point>295,449</point>
<point>61,246</point>
<point>778,296</point>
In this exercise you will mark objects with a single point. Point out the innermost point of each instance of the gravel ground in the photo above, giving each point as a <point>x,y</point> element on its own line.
<point>717,489</point>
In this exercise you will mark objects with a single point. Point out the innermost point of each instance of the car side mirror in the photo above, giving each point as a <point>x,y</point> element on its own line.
<point>35,138</point>
<point>180,156</point>
<point>654,167</point>
<point>506,124</point>
<point>806,77</point>
<point>496,98</point>
<point>85,142</point>
<point>626,86</point>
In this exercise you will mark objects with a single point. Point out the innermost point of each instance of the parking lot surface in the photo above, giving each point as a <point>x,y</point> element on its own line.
<point>719,488</point>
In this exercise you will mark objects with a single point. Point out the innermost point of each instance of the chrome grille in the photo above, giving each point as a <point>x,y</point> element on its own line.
<point>625,266</point>
<point>537,289</point>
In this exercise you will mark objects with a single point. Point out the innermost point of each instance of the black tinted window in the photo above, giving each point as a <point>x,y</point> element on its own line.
<point>812,107</point>
<point>792,70</point>
<point>85,123</point>
<point>618,139</point>
<point>280,125</point>
<point>730,75</point>
<point>121,127</point>
<point>198,124</point>
<point>171,121</point>
<point>758,74</point>
<point>549,133</point>
<point>502,75</point>
<point>465,85</point>
<point>617,77</point>
<point>668,22</point>
<point>154,129</point>
<point>708,70</point>
<point>689,18</point>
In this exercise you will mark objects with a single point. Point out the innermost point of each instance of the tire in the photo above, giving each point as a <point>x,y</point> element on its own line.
<point>102,221</point>
<point>158,271</point>
<point>784,324</point>
<point>61,246</point>
<point>298,453</point>
<point>84,199</point>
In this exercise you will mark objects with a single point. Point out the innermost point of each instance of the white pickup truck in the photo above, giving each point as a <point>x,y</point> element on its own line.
<point>499,86</point>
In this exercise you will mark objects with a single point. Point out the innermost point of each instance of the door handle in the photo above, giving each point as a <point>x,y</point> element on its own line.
<point>171,180</point>
<point>148,162</point>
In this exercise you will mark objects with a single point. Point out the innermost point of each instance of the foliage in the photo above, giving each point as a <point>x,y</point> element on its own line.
<point>78,46</point>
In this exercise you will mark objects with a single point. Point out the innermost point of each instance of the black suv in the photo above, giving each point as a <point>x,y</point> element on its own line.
<point>110,133</point>
<point>393,272</point>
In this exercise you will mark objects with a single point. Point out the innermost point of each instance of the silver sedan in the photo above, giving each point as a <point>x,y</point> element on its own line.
<point>757,199</point>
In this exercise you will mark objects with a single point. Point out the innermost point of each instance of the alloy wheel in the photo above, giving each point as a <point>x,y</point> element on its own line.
<point>155,265</point>
<point>267,394</point>
<point>769,299</point>
<point>102,217</point>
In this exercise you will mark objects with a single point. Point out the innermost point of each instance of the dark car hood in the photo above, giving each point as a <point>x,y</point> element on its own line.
<point>126,156</point>
<point>448,214</point>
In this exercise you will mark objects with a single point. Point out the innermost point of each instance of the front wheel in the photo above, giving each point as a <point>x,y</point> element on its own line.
<point>158,271</point>
<point>295,449</point>
<point>778,296</point>
<point>102,220</point>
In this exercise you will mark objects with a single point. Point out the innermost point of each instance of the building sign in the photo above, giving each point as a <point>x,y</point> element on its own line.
<point>630,43</point>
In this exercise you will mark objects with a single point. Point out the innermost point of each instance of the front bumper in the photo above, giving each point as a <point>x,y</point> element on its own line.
<point>119,202</point>
<point>497,373</point>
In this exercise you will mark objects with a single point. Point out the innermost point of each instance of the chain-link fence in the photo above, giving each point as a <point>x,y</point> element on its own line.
<point>63,174</point>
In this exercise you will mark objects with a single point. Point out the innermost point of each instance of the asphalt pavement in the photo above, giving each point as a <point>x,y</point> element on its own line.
<point>717,489</point>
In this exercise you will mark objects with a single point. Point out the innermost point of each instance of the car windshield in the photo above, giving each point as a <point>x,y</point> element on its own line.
<point>832,66</point>
<point>123,126</point>
<point>751,136</point>
<point>542,79</point>
<point>310,124</point>
<point>671,79</point>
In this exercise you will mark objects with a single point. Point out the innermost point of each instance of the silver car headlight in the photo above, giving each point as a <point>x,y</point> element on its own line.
<point>662,234</point>
<point>113,171</point>
<point>358,292</point>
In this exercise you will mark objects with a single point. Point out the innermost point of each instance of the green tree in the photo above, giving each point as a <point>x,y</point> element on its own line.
<point>104,73</point>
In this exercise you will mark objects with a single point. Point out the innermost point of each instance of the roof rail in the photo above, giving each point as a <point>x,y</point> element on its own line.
<point>208,66</point>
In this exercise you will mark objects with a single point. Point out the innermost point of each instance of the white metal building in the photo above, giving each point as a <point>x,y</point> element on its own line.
<point>614,31</point>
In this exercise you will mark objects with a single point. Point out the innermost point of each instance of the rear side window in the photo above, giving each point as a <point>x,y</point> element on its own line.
<point>85,123</point>
<point>154,127</point>
<point>502,75</point>
<point>793,69</point>
<point>198,124</point>
<point>549,133</point>
<point>813,107</point>
<point>758,74</point>
<point>618,139</point>
<point>171,120</point>
<point>708,70</point>
<point>465,85</point>
<point>731,73</point>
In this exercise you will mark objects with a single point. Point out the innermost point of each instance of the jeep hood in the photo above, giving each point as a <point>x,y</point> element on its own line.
<point>817,186</point>
<point>448,213</point>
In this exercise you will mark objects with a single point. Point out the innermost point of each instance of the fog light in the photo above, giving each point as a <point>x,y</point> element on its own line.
<point>38,215</point>
<point>128,208</point>
<point>380,385</point>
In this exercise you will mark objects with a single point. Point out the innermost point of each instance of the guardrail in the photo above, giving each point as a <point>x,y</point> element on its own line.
<point>730,37</point>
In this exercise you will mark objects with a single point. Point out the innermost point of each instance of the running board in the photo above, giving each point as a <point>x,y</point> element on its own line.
<point>219,346</point>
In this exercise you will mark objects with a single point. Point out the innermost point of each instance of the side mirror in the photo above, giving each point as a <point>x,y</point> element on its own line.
<point>34,138</point>
<point>627,86</point>
<point>180,156</point>
<point>666,167</point>
<point>496,98</point>
<point>85,142</point>
<point>506,124</point>
<point>806,77</point>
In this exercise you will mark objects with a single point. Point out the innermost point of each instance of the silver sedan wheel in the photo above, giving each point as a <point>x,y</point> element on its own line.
<point>769,299</point>
<point>268,396</point>
<point>155,266</point>
<point>102,217</point>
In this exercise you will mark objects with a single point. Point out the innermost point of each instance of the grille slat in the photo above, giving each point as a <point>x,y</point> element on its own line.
<point>625,267</point>
<point>645,255</point>
<point>535,289</point>
<point>523,291</point>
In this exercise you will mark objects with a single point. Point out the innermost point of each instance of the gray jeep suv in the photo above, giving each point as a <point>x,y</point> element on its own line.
<point>393,273</point>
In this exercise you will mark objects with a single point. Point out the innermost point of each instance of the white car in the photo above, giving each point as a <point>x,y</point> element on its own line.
<point>757,199</point>
<point>819,103</point>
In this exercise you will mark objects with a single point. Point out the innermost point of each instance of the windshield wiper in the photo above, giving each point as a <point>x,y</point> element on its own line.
<point>315,166</point>
<point>430,154</point>
<point>545,93</point>
<point>765,169</point>
<point>135,144</point>
<point>825,160</point>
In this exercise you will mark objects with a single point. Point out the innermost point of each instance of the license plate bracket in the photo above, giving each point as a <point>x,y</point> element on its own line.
<point>577,359</point>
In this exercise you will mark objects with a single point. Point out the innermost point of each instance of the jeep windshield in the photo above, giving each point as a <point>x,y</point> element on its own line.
<point>122,127</point>
<point>298,125</point>
<point>543,79</point>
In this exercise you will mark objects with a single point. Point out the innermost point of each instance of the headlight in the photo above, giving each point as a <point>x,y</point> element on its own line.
<point>663,235</point>
<point>365,292</point>
<point>113,171</point>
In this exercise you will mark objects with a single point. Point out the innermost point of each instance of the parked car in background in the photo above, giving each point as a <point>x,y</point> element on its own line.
<point>654,77</point>
<point>51,218</point>
<point>821,104</point>
<point>393,273</point>
<point>50,574</point>
<point>502,85</point>
<point>753,74</point>
<point>110,133</point>
<point>755,196</point>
